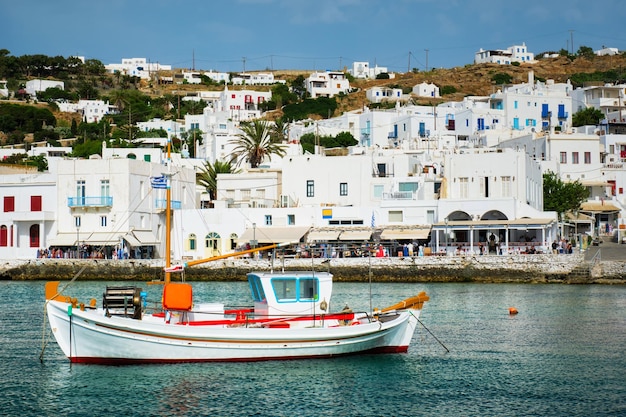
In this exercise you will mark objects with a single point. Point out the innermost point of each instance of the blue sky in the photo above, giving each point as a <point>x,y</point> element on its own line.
<point>233,35</point>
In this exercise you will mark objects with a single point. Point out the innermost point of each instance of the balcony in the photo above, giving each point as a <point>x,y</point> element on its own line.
<point>161,204</point>
<point>562,115</point>
<point>99,201</point>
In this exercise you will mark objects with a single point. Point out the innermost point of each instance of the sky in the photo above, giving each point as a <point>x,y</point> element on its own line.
<point>259,35</point>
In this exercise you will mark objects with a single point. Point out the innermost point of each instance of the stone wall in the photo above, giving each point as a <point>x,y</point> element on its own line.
<point>515,268</point>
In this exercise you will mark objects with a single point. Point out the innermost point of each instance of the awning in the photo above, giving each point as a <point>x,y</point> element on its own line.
<point>100,238</point>
<point>131,240</point>
<point>404,233</point>
<point>355,235</point>
<point>274,234</point>
<point>145,237</point>
<point>63,239</point>
<point>322,235</point>
<point>599,207</point>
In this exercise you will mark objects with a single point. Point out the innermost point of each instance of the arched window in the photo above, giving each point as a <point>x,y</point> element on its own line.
<point>210,241</point>
<point>34,236</point>
<point>3,236</point>
<point>233,241</point>
<point>192,242</point>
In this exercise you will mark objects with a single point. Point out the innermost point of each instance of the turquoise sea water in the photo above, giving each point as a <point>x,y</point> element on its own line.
<point>564,354</point>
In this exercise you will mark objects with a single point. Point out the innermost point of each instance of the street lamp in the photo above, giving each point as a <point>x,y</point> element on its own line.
<point>77,224</point>
<point>254,235</point>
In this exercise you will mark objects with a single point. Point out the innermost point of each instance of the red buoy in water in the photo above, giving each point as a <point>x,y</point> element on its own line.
<point>512,311</point>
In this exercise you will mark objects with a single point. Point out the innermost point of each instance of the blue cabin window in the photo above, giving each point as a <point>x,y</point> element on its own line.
<point>256,288</point>
<point>295,289</point>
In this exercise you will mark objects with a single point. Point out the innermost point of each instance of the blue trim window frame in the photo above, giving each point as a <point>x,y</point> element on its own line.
<point>291,289</point>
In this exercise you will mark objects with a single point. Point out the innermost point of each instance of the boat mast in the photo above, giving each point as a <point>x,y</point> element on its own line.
<point>168,212</point>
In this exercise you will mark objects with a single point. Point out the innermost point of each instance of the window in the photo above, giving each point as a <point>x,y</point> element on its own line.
<point>574,157</point>
<point>563,157</point>
<point>103,221</point>
<point>210,241</point>
<point>463,187</point>
<point>587,157</point>
<point>245,195</point>
<point>506,186</point>
<point>378,191</point>
<point>395,216</point>
<point>310,188</point>
<point>9,204</point>
<point>192,242</point>
<point>343,189</point>
<point>80,192</point>
<point>285,289</point>
<point>4,236</point>
<point>268,219</point>
<point>104,191</point>
<point>76,221</point>
<point>308,289</point>
<point>291,219</point>
<point>35,203</point>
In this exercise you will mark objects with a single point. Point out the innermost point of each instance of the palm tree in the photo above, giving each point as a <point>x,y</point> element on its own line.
<point>207,177</point>
<point>255,143</point>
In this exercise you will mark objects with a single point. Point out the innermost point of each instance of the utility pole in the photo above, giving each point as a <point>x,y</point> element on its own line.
<point>244,64</point>
<point>426,59</point>
<point>571,36</point>
<point>409,67</point>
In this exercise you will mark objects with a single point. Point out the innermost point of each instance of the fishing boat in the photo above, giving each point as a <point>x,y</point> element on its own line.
<point>289,316</point>
<point>289,319</point>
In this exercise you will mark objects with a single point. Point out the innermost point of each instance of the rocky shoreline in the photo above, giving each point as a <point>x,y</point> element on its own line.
<point>547,268</point>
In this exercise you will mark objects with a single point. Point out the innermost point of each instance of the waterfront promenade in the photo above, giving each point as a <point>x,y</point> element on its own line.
<point>603,264</point>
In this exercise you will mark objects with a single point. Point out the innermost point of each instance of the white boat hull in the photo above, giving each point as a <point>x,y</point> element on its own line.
<point>89,336</point>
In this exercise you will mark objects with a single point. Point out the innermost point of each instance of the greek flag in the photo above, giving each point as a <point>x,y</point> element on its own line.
<point>373,220</point>
<point>158,182</point>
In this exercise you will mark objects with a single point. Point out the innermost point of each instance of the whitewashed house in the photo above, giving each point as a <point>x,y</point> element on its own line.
<point>35,86</point>
<point>362,69</point>
<point>379,94</point>
<point>425,89</point>
<point>256,78</point>
<point>326,84</point>
<point>4,91</point>
<point>92,110</point>
<point>28,213</point>
<point>515,53</point>
<point>172,127</point>
<point>137,67</point>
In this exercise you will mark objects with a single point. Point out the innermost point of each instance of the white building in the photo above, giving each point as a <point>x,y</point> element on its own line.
<point>256,78</point>
<point>362,69</point>
<point>137,67</point>
<point>110,203</point>
<point>609,99</point>
<point>92,110</point>
<point>172,127</point>
<point>606,51</point>
<point>4,91</point>
<point>379,94</point>
<point>35,86</point>
<point>28,215</point>
<point>515,53</point>
<point>425,89</point>
<point>327,84</point>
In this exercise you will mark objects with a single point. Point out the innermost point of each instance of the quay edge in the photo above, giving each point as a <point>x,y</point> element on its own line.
<point>546,268</point>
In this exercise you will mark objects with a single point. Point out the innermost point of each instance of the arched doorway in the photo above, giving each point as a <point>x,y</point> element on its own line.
<point>212,244</point>
<point>34,236</point>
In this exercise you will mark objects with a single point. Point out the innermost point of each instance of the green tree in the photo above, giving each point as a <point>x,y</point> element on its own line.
<point>585,52</point>
<point>588,116</point>
<point>501,78</point>
<point>207,177</point>
<point>255,143</point>
<point>562,196</point>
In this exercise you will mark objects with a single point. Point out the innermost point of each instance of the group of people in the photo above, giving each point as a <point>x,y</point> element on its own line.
<point>84,252</point>
<point>562,246</point>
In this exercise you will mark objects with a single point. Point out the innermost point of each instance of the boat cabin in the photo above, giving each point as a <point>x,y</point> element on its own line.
<point>291,293</point>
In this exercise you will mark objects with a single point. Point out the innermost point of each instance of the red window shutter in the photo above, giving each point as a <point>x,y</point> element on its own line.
<point>35,203</point>
<point>9,204</point>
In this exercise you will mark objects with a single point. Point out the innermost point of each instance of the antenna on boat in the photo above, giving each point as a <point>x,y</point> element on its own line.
<point>168,212</point>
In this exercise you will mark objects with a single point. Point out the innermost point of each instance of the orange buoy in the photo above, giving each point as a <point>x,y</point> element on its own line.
<point>512,311</point>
